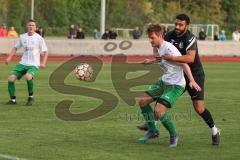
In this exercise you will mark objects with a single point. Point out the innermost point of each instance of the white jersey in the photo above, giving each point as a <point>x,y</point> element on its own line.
<point>172,71</point>
<point>33,46</point>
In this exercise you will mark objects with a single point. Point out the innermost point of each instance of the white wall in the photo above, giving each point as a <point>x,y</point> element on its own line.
<point>139,47</point>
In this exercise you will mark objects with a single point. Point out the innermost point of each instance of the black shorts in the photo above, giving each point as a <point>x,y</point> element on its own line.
<point>196,95</point>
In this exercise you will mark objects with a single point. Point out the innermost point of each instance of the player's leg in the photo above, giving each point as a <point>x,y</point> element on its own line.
<point>152,94</point>
<point>154,91</point>
<point>198,103</point>
<point>148,114</point>
<point>146,99</point>
<point>164,117</point>
<point>17,72</point>
<point>147,111</point>
<point>169,97</point>
<point>203,112</point>
<point>11,89</point>
<point>29,79</point>
<point>31,71</point>
<point>207,117</point>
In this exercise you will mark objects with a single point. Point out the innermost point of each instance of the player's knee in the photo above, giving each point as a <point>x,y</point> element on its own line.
<point>199,107</point>
<point>145,100</point>
<point>12,78</point>
<point>142,102</point>
<point>199,110</point>
<point>158,112</point>
<point>28,76</point>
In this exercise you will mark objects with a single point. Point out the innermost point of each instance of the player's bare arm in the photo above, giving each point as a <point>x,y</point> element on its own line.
<point>192,82</point>
<point>44,60</point>
<point>188,58</point>
<point>12,53</point>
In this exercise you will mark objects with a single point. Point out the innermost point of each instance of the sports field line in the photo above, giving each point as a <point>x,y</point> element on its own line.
<point>5,156</point>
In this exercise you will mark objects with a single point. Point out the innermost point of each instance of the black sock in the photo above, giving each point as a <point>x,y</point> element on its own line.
<point>206,115</point>
<point>13,97</point>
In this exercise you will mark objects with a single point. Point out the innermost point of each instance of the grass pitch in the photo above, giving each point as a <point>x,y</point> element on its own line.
<point>37,133</point>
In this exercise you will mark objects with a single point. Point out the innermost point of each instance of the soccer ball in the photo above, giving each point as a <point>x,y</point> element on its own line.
<point>84,72</point>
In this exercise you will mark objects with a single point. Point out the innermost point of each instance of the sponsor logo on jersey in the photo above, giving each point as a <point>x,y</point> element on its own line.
<point>194,96</point>
<point>181,45</point>
<point>191,39</point>
<point>167,97</point>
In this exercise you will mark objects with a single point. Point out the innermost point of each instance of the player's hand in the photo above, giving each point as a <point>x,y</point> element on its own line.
<point>168,57</point>
<point>7,60</point>
<point>42,65</point>
<point>147,61</point>
<point>158,58</point>
<point>194,85</point>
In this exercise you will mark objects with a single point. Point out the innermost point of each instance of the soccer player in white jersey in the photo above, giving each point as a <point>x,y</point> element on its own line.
<point>34,47</point>
<point>167,89</point>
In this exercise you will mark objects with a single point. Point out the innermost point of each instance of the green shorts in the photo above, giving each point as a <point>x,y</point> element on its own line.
<point>20,70</point>
<point>165,94</point>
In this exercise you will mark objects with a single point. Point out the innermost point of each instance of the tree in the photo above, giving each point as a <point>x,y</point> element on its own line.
<point>57,15</point>
<point>231,9</point>
<point>17,14</point>
<point>3,11</point>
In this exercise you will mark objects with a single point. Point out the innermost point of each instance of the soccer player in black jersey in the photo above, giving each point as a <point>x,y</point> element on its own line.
<point>186,43</point>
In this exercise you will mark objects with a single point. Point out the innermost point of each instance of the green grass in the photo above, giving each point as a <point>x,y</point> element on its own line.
<point>36,133</point>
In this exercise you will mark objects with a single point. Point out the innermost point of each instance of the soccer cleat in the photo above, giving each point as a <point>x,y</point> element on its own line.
<point>148,136</point>
<point>173,141</point>
<point>216,139</point>
<point>11,102</point>
<point>143,127</point>
<point>29,101</point>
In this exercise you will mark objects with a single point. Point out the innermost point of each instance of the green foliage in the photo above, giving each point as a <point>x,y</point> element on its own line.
<point>232,10</point>
<point>56,16</point>
<point>17,13</point>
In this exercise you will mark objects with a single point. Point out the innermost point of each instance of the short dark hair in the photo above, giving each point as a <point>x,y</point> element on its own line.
<point>183,17</point>
<point>154,28</point>
<point>31,20</point>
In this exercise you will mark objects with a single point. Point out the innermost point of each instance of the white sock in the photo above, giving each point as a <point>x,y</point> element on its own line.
<point>214,130</point>
<point>30,96</point>
<point>14,100</point>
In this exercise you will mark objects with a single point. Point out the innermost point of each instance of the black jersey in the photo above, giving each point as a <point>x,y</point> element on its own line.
<point>183,44</point>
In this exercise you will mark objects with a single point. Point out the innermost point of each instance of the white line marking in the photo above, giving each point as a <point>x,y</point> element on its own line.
<point>11,157</point>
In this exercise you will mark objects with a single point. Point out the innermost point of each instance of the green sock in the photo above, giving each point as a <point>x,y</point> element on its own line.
<point>11,89</point>
<point>149,117</point>
<point>168,124</point>
<point>30,87</point>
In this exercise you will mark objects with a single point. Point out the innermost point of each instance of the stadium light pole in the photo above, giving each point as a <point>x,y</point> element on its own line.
<point>32,9</point>
<point>102,22</point>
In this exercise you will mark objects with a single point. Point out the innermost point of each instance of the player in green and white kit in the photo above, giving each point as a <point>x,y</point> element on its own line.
<point>33,47</point>
<point>167,90</point>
